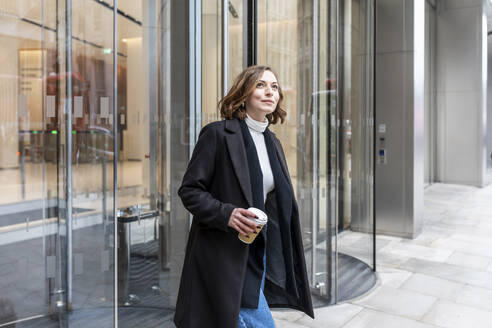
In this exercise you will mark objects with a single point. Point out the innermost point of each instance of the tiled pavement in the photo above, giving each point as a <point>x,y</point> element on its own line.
<point>442,278</point>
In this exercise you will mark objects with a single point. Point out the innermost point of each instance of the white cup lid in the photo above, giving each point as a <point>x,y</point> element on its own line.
<point>262,217</point>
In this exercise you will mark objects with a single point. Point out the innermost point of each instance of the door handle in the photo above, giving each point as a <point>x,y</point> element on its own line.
<point>135,213</point>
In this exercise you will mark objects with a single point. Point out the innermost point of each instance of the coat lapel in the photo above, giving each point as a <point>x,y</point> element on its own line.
<point>237,153</point>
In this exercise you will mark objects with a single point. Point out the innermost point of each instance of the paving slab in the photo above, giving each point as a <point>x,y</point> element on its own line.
<point>398,302</point>
<point>451,315</point>
<point>372,319</point>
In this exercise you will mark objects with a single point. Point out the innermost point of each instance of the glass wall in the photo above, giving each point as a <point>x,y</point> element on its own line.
<point>355,155</point>
<point>90,252</point>
<point>286,34</point>
<point>322,54</point>
<point>68,256</point>
<point>59,121</point>
<point>57,165</point>
<point>221,60</point>
<point>144,227</point>
<point>212,56</point>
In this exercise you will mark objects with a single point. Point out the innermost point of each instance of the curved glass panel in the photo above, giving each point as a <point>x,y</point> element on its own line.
<point>211,60</point>
<point>288,41</point>
<point>153,119</point>
<point>235,29</point>
<point>57,88</point>
<point>57,159</point>
<point>212,53</point>
<point>355,160</point>
<point>321,52</point>
<point>90,233</point>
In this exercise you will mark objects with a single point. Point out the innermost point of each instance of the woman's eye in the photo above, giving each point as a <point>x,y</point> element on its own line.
<point>275,87</point>
<point>259,85</point>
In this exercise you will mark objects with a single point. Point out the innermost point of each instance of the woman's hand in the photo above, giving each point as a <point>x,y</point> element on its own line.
<point>239,221</point>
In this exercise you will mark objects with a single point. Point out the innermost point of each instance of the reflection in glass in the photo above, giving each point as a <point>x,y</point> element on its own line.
<point>327,136</point>
<point>212,49</point>
<point>147,267</point>
<point>285,30</point>
<point>92,277</point>
<point>235,30</point>
<point>35,210</point>
<point>211,60</point>
<point>298,38</point>
<point>355,147</point>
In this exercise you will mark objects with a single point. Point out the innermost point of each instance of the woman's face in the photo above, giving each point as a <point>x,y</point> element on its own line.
<point>264,98</point>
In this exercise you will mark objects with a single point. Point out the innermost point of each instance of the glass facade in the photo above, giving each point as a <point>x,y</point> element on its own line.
<point>101,103</point>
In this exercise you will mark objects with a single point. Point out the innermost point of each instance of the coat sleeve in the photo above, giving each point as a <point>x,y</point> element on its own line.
<point>194,190</point>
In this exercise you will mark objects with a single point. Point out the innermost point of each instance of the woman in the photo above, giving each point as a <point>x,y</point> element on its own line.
<point>238,163</point>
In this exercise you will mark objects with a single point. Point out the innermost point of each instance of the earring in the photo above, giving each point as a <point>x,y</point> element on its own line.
<point>243,105</point>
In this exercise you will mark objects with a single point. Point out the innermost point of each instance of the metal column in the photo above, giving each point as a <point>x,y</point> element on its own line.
<point>68,146</point>
<point>115,158</point>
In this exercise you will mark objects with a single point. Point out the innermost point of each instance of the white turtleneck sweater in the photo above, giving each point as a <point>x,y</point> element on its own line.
<point>256,129</point>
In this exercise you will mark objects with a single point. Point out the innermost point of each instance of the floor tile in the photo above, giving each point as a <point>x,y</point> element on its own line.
<point>333,316</point>
<point>279,323</point>
<point>426,238</point>
<point>417,251</point>
<point>451,315</point>
<point>489,268</point>
<point>390,238</point>
<point>469,261</point>
<point>476,297</point>
<point>392,277</point>
<point>287,315</point>
<point>450,272</point>
<point>372,319</point>
<point>472,238</point>
<point>348,237</point>
<point>432,286</point>
<point>399,302</point>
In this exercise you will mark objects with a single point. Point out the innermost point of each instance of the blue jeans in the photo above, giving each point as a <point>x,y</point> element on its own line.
<point>260,317</point>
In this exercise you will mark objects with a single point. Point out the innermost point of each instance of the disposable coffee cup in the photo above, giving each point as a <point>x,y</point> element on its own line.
<point>260,221</point>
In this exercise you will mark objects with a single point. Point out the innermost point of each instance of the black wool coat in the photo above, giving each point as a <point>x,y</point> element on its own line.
<point>217,181</point>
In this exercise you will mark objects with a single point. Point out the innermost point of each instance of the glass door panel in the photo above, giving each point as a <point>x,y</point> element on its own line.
<point>221,62</point>
<point>153,120</point>
<point>144,227</point>
<point>326,103</point>
<point>235,21</point>
<point>29,258</point>
<point>355,149</point>
<point>279,34</point>
<point>211,65</point>
<point>90,221</point>
<point>322,54</point>
<point>288,41</point>
<point>56,206</point>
